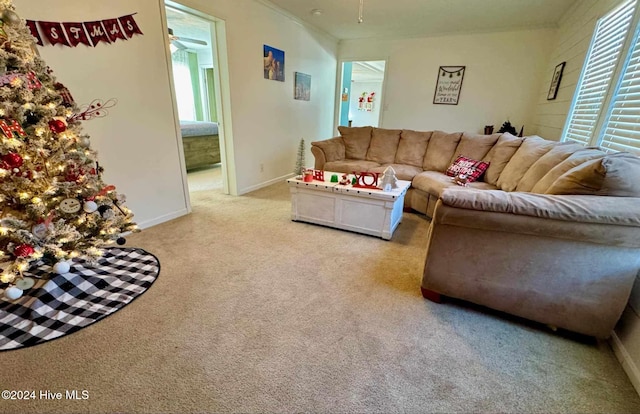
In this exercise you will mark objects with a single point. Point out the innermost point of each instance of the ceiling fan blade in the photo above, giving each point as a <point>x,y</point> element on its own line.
<point>180,45</point>
<point>196,41</point>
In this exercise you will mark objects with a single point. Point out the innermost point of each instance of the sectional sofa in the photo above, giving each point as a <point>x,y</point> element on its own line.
<point>550,231</point>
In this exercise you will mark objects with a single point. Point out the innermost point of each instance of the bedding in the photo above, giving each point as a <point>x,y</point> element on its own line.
<point>200,142</point>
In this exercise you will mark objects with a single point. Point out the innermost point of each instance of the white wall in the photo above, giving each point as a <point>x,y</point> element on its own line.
<point>572,44</point>
<point>267,122</point>
<point>364,118</point>
<point>502,79</point>
<point>136,142</point>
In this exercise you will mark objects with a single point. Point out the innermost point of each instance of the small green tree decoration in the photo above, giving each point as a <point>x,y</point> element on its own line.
<point>300,161</point>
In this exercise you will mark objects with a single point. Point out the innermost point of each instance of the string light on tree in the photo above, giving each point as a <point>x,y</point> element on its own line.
<point>55,206</point>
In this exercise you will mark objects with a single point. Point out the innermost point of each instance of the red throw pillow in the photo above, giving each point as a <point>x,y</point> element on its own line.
<point>472,168</point>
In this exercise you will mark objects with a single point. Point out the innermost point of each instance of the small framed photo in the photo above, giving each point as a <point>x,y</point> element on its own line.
<point>555,81</point>
<point>273,63</point>
<point>302,90</point>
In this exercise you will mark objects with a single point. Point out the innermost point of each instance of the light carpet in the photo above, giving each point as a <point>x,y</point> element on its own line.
<point>255,313</point>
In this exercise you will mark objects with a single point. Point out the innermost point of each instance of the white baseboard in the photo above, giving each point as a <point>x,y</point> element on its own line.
<point>626,361</point>
<point>264,184</point>
<point>162,219</point>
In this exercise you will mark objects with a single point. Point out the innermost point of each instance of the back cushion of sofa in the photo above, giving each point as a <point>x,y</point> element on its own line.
<point>612,175</point>
<point>356,141</point>
<point>499,156</point>
<point>574,160</point>
<point>383,146</point>
<point>441,150</point>
<point>540,168</point>
<point>530,151</point>
<point>475,146</point>
<point>412,146</point>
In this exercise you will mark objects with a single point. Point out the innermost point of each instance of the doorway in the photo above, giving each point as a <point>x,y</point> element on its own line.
<point>361,93</point>
<point>192,38</point>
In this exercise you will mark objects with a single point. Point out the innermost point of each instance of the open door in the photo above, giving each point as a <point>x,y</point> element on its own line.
<point>361,93</point>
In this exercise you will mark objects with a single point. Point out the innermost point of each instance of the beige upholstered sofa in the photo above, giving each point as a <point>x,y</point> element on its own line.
<point>550,232</point>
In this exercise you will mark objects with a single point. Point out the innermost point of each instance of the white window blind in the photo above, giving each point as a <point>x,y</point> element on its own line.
<point>597,73</point>
<point>622,127</point>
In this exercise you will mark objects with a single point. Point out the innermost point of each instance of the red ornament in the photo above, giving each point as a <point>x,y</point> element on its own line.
<point>23,250</point>
<point>13,160</point>
<point>57,125</point>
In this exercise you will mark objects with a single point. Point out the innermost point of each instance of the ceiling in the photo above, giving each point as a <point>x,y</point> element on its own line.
<point>422,18</point>
<point>187,26</point>
<point>370,71</point>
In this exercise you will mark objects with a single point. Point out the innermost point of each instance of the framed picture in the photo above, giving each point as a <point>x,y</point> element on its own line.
<point>273,63</point>
<point>555,81</point>
<point>448,85</point>
<point>302,91</point>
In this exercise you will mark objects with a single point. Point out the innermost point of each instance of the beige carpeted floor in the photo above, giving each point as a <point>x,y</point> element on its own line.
<point>255,313</point>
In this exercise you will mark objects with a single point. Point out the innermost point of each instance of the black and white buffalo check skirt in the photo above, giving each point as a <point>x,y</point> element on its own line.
<point>63,304</point>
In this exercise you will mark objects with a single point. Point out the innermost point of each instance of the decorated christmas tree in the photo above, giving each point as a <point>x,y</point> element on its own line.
<point>54,203</point>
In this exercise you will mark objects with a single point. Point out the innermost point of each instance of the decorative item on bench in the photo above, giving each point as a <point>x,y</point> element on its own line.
<point>307,175</point>
<point>488,129</point>
<point>345,180</point>
<point>299,168</point>
<point>366,180</point>
<point>389,180</point>
<point>318,175</point>
<point>472,169</point>
<point>507,127</point>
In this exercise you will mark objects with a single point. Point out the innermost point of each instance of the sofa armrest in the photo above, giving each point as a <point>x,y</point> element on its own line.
<point>328,150</point>
<point>623,211</point>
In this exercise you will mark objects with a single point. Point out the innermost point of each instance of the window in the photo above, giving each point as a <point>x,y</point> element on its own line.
<point>602,106</point>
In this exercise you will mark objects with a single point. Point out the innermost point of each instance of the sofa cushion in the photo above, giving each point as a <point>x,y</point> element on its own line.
<point>499,156</point>
<point>333,148</point>
<point>473,169</point>
<point>475,146</point>
<point>434,183</point>
<point>530,151</point>
<point>356,141</point>
<point>349,166</point>
<point>440,150</point>
<point>545,163</point>
<point>411,148</point>
<point>383,146</point>
<point>403,171</point>
<point>612,175</point>
<point>574,160</point>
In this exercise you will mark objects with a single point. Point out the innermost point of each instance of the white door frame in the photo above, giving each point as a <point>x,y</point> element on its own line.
<point>222,96</point>
<point>341,61</point>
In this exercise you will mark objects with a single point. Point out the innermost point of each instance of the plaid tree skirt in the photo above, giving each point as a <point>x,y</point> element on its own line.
<point>67,303</point>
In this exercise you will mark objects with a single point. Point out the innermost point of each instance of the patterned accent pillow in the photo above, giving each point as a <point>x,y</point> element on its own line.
<point>473,169</point>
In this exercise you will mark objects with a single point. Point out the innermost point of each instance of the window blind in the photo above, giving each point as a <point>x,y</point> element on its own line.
<point>621,130</point>
<point>597,73</point>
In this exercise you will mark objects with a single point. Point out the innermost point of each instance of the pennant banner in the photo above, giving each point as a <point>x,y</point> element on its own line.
<point>87,33</point>
<point>76,34</point>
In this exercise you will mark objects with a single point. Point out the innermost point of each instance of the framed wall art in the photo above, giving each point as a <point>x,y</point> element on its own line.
<point>448,85</point>
<point>273,63</point>
<point>555,81</point>
<point>302,90</point>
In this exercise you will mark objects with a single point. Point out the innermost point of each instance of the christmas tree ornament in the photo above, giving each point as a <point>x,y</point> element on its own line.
<point>121,241</point>
<point>89,206</point>
<point>12,293</point>
<point>57,125</point>
<point>61,267</point>
<point>70,205</point>
<point>25,283</point>
<point>103,209</point>
<point>85,142</point>
<point>23,250</point>
<point>13,160</point>
<point>40,230</point>
<point>32,118</point>
<point>10,17</point>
